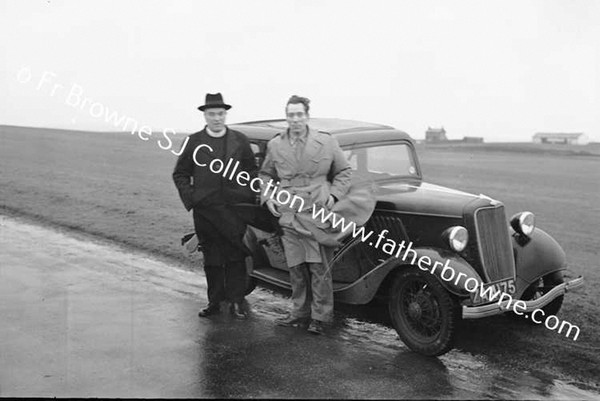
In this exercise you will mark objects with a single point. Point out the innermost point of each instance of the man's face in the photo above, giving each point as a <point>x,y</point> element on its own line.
<point>296,117</point>
<point>215,119</point>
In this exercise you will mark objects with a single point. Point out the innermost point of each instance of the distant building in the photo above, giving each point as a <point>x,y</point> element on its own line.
<point>578,138</point>
<point>435,135</point>
<point>473,139</point>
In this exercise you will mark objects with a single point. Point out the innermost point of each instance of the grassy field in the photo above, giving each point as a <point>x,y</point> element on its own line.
<point>116,186</point>
<point>592,149</point>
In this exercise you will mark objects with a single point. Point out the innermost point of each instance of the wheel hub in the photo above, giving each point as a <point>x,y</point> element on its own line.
<point>414,310</point>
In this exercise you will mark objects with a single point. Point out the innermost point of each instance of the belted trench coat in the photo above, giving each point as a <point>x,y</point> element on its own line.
<point>319,170</point>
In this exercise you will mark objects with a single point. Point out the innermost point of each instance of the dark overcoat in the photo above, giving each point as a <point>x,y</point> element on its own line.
<point>213,196</point>
<point>197,184</point>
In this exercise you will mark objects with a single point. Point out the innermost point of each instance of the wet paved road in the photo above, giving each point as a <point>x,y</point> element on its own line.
<point>85,318</point>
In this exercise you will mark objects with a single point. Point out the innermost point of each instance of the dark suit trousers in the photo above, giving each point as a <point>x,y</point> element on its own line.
<point>220,232</point>
<point>226,282</point>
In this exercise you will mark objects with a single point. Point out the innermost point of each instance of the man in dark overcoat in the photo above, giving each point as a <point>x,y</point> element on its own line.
<point>202,178</point>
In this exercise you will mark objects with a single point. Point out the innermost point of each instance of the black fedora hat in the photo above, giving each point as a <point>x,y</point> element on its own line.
<point>214,100</point>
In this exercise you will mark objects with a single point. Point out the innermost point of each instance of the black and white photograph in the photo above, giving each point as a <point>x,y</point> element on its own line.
<point>300,199</point>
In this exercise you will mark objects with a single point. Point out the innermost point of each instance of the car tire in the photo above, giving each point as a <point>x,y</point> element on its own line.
<point>540,287</point>
<point>423,313</point>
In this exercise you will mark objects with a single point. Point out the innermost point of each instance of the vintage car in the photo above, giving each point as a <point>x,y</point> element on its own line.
<point>470,231</point>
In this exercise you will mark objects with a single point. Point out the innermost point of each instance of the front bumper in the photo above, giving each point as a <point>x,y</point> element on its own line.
<point>477,312</point>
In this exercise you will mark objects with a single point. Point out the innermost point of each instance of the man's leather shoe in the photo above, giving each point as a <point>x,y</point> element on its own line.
<point>290,321</point>
<point>316,327</point>
<point>237,310</point>
<point>209,311</point>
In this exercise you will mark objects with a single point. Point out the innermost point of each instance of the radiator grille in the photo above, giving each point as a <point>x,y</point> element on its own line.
<point>495,247</point>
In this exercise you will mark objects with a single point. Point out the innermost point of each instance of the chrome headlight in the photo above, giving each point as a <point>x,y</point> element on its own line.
<point>523,223</point>
<point>457,238</point>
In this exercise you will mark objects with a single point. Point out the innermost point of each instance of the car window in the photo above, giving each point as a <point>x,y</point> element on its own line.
<point>255,147</point>
<point>382,161</point>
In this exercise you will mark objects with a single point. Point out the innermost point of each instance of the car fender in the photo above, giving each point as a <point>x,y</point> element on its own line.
<point>440,258</point>
<point>364,289</point>
<point>536,256</point>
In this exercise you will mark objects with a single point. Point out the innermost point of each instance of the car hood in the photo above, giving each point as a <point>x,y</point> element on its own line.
<point>425,198</point>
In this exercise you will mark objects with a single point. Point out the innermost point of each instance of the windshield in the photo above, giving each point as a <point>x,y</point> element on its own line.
<point>382,161</point>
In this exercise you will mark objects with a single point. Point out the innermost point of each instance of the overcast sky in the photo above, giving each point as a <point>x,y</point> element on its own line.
<point>498,69</point>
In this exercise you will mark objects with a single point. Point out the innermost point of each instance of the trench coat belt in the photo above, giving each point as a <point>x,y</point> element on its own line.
<point>302,181</point>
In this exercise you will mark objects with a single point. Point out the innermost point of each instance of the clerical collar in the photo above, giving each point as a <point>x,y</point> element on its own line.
<point>216,134</point>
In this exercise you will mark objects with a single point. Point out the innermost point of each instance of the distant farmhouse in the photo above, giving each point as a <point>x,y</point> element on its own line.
<point>578,138</point>
<point>437,135</point>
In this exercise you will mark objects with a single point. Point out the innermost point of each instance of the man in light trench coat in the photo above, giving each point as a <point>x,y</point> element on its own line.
<point>302,158</point>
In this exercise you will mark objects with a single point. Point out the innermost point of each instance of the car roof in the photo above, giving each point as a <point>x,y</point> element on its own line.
<point>345,131</point>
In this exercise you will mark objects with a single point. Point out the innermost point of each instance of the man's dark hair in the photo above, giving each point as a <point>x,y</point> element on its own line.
<point>295,99</point>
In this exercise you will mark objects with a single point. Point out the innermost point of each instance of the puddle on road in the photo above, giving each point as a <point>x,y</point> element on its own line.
<point>468,375</point>
<point>456,374</point>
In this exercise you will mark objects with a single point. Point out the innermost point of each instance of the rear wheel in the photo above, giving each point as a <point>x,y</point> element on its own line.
<point>423,313</point>
<point>541,287</point>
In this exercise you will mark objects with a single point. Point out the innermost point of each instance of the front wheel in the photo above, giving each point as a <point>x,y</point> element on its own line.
<point>423,313</point>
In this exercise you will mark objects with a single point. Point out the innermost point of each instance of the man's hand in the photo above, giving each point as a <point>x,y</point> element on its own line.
<point>273,206</point>
<point>330,202</point>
